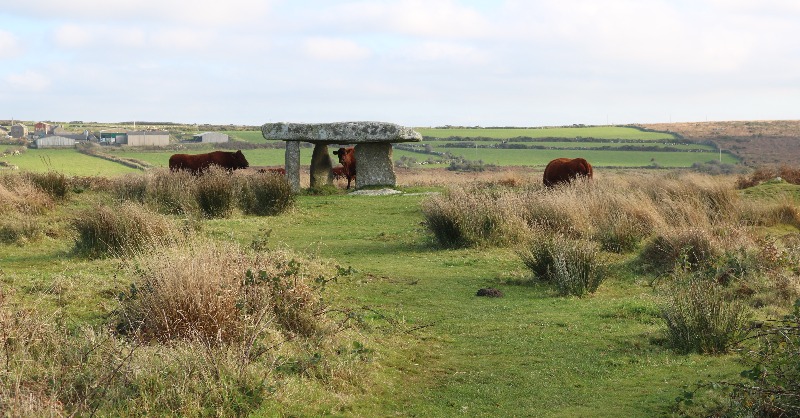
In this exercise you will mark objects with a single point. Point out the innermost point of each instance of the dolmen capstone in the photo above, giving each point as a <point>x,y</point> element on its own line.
<point>373,149</point>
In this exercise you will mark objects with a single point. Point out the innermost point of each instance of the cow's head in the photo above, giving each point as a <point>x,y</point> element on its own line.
<point>343,153</point>
<point>239,161</point>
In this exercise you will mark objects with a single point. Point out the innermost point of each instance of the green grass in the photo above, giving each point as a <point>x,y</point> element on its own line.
<point>601,132</point>
<point>67,161</point>
<point>532,157</point>
<point>254,137</point>
<point>529,353</point>
<point>589,145</point>
<point>443,351</point>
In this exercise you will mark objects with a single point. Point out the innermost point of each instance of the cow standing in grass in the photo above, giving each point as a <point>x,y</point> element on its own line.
<point>201,162</point>
<point>564,170</point>
<point>347,158</point>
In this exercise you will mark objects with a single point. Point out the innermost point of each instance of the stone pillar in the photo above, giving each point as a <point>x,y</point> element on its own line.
<point>292,164</point>
<point>321,166</point>
<point>374,165</point>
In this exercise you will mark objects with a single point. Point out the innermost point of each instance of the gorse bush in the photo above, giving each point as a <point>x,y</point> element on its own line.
<point>120,229</point>
<point>265,194</point>
<point>700,316</point>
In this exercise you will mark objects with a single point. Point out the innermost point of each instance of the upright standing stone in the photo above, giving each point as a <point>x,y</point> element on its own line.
<point>375,166</point>
<point>292,164</point>
<point>321,166</point>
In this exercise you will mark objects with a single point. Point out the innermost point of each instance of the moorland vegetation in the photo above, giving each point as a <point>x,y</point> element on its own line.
<point>165,293</point>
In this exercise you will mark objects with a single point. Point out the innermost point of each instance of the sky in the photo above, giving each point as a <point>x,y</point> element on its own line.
<point>411,62</point>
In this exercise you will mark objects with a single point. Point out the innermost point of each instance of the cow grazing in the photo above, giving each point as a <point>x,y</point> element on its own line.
<point>564,170</point>
<point>201,162</point>
<point>347,158</point>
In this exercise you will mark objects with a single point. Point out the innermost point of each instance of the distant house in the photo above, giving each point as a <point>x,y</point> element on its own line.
<point>146,138</point>
<point>19,131</point>
<point>42,129</point>
<point>211,137</point>
<point>54,141</point>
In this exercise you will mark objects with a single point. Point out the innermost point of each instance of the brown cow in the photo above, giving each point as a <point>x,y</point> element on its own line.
<point>564,170</point>
<point>347,158</point>
<point>200,162</point>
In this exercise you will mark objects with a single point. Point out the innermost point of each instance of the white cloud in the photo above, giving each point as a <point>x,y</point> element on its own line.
<point>29,81</point>
<point>214,12</point>
<point>447,52</point>
<point>132,37</point>
<point>334,49</point>
<point>9,45</point>
<point>424,18</point>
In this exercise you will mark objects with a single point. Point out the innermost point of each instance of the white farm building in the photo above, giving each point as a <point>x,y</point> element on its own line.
<point>55,141</point>
<point>145,138</point>
<point>211,137</point>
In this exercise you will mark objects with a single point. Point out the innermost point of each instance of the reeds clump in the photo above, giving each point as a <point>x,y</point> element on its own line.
<point>120,229</point>
<point>266,194</point>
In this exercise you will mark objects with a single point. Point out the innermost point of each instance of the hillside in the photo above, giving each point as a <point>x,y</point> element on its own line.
<point>757,143</point>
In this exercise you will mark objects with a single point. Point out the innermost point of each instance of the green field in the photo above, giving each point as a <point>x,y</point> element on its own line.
<point>529,157</point>
<point>599,132</point>
<point>566,145</point>
<point>68,161</point>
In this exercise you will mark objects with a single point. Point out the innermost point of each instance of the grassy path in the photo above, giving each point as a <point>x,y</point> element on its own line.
<point>527,354</point>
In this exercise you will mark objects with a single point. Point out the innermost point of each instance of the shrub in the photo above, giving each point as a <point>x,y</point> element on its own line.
<point>266,194</point>
<point>699,317</point>
<point>105,230</point>
<point>215,193</point>
<point>573,266</point>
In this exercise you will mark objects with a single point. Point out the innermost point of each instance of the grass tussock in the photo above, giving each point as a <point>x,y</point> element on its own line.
<point>266,194</point>
<point>19,194</point>
<point>215,194</point>
<point>701,316</point>
<point>202,335</point>
<point>574,267</point>
<point>207,292</point>
<point>54,184</point>
<point>120,229</point>
<point>473,217</point>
